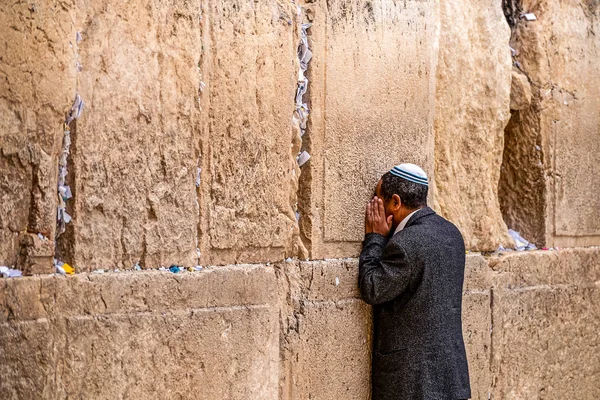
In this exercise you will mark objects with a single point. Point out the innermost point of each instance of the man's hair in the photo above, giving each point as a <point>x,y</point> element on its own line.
<point>413,195</point>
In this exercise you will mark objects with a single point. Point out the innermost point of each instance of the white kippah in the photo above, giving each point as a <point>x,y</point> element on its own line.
<point>410,172</point>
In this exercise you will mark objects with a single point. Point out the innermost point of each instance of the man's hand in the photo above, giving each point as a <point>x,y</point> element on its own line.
<point>375,220</point>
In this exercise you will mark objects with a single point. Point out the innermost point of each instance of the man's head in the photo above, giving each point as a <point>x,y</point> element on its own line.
<point>403,190</point>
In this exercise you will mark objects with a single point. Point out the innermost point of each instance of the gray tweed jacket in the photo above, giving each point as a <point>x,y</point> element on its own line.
<point>414,281</point>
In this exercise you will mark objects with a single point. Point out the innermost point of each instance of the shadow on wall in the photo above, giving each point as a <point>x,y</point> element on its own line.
<point>521,188</point>
<point>548,185</point>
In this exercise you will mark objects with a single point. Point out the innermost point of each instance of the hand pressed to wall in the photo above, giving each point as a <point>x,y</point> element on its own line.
<point>375,219</point>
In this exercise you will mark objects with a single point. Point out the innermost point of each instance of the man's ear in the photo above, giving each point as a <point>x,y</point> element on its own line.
<point>396,202</point>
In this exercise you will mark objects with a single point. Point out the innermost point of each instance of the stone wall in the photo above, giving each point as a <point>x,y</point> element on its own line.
<point>185,153</point>
<point>548,187</point>
<point>37,83</point>
<point>365,53</point>
<point>295,330</point>
<point>186,149</point>
<point>470,115</point>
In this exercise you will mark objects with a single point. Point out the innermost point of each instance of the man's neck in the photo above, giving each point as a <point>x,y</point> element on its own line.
<point>405,217</point>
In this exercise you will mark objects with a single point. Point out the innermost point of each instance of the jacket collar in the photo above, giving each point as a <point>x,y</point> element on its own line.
<point>423,212</point>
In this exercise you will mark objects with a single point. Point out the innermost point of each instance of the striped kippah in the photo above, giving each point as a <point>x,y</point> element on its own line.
<point>410,172</point>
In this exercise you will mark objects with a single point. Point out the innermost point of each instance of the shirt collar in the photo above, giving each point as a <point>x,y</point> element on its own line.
<point>403,223</point>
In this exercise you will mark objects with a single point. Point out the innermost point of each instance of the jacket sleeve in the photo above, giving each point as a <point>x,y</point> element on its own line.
<point>384,272</point>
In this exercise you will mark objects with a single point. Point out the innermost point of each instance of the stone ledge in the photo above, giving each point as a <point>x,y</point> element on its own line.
<point>31,298</point>
<point>576,266</point>
<point>133,333</point>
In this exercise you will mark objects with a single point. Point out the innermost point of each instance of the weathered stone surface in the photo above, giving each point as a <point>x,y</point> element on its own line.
<point>212,334</point>
<point>249,171</point>
<point>135,146</point>
<point>327,333</point>
<point>296,331</point>
<point>545,322</point>
<point>520,91</point>
<point>546,343</point>
<point>27,360</point>
<point>36,254</point>
<point>213,354</point>
<point>37,86</point>
<point>476,317</point>
<point>366,116</point>
<point>471,111</point>
<point>579,266</point>
<point>551,162</point>
<point>331,355</point>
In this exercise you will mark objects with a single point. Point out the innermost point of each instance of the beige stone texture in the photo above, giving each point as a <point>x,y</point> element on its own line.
<point>37,87</point>
<point>297,330</point>
<point>153,335</point>
<point>551,162</point>
<point>471,111</point>
<point>134,149</point>
<point>179,91</point>
<point>520,91</point>
<point>27,360</point>
<point>476,316</point>
<point>365,116</point>
<point>36,255</point>
<point>327,332</point>
<point>545,325</point>
<point>249,145</point>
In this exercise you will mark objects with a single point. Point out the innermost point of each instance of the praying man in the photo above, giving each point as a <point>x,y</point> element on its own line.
<point>412,270</point>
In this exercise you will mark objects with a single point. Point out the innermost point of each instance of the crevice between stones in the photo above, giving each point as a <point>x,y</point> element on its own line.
<point>522,185</point>
<point>301,141</point>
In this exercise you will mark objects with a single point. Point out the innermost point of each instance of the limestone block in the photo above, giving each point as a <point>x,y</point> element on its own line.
<point>476,334</point>
<point>36,255</point>
<point>545,322</point>
<point>520,91</point>
<point>471,111</point>
<point>249,170</point>
<point>20,300</point>
<point>546,342</point>
<point>578,266</point>
<point>330,279</point>
<point>111,293</point>
<point>372,99</point>
<point>212,334</point>
<point>328,346</point>
<point>212,354</point>
<point>135,146</point>
<point>27,360</point>
<point>551,161</point>
<point>332,353</point>
<point>476,317</point>
<point>37,88</point>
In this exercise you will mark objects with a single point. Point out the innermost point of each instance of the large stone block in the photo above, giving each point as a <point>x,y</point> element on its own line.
<point>552,158</point>
<point>27,360</point>
<point>476,317</point>
<point>578,266</point>
<point>332,353</point>
<point>134,150</point>
<point>212,334</point>
<point>545,325</point>
<point>249,171</point>
<point>372,100</point>
<point>471,110</point>
<point>202,353</point>
<point>36,90</point>
<point>546,343</point>
<point>327,333</point>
